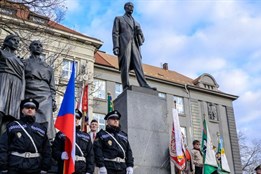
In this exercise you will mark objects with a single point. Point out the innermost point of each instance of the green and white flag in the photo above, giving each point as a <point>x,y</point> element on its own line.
<point>223,166</point>
<point>110,103</point>
<point>209,157</point>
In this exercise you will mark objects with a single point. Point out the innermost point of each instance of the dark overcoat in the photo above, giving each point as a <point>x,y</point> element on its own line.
<point>123,32</point>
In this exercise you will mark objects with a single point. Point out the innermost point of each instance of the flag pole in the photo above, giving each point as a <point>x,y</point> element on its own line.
<point>109,100</point>
<point>175,107</point>
<point>175,104</point>
<point>83,121</point>
<point>85,109</point>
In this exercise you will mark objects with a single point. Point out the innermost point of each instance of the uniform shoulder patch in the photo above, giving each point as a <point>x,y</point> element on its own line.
<point>39,130</point>
<point>84,136</point>
<point>60,135</point>
<point>123,136</point>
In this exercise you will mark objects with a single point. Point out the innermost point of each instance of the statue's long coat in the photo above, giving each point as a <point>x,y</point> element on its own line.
<point>40,85</point>
<point>11,84</point>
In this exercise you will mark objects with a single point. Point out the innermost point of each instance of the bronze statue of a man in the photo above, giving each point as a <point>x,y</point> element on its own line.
<point>11,81</point>
<point>127,38</point>
<point>39,77</point>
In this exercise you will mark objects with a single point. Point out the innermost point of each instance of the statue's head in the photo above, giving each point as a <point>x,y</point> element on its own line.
<point>128,7</point>
<point>12,41</point>
<point>36,47</point>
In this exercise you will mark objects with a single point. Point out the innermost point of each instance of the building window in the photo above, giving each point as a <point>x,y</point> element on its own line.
<point>118,89</point>
<point>179,104</point>
<point>67,68</point>
<point>49,60</point>
<point>99,89</point>
<point>212,111</point>
<point>100,119</point>
<point>59,100</point>
<point>162,95</point>
<point>38,20</point>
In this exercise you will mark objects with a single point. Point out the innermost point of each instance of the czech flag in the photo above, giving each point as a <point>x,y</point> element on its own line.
<point>65,122</point>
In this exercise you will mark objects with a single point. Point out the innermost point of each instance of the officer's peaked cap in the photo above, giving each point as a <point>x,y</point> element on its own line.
<point>29,102</point>
<point>78,114</point>
<point>113,114</point>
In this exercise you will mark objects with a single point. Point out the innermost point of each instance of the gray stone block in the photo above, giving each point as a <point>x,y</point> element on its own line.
<point>144,118</point>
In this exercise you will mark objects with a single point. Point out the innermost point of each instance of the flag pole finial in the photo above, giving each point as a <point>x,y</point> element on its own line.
<point>175,104</point>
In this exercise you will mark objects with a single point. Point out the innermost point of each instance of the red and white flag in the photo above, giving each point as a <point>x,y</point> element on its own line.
<point>85,99</point>
<point>176,147</point>
<point>82,106</point>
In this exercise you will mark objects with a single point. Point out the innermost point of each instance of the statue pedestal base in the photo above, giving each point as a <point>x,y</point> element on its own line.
<point>144,118</point>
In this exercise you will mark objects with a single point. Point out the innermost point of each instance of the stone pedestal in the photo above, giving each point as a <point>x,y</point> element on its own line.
<point>144,118</point>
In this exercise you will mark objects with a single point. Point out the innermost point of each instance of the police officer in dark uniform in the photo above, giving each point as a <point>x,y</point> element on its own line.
<point>84,157</point>
<point>112,150</point>
<point>24,147</point>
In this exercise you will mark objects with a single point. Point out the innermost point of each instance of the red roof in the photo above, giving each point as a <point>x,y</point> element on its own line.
<point>23,12</point>
<point>102,58</point>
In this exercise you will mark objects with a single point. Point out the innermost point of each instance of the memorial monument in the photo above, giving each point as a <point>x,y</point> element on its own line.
<point>40,85</point>
<point>11,80</point>
<point>144,114</point>
<point>127,38</point>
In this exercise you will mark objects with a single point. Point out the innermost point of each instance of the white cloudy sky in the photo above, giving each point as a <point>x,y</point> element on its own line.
<point>220,37</point>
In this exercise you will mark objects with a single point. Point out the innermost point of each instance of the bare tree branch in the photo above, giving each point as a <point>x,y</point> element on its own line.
<point>250,152</point>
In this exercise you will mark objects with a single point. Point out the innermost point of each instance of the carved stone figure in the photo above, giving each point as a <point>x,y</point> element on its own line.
<point>212,111</point>
<point>11,81</point>
<point>127,38</point>
<point>40,85</point>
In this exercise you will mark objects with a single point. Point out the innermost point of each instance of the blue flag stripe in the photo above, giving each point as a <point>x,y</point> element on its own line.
<point>68,96</point>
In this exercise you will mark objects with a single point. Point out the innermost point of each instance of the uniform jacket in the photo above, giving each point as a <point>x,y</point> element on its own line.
<point>106,147</point>
<point>83,140</point>
<point>16,140</point>
<point>124,31</point>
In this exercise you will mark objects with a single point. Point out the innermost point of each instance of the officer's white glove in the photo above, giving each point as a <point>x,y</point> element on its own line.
<point>103,170</point>
<point>64,156</point>
<point>4,171</point>
<point>42,172</point>
<point>129,170</point>
<point>87,173</point>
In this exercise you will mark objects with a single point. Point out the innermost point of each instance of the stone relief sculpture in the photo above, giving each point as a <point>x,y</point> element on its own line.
<point>212,112</point>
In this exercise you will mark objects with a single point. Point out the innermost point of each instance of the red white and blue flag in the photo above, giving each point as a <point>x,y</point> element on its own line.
<point>65,122</point>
